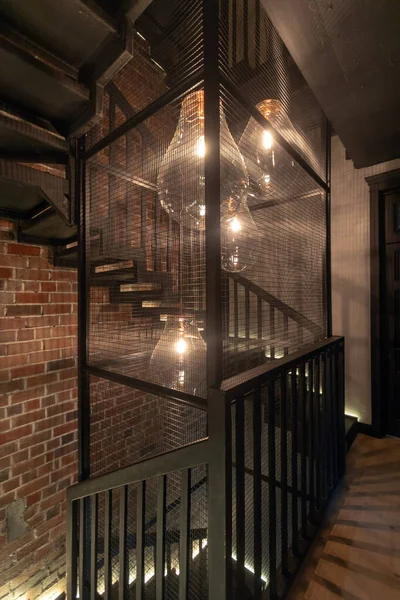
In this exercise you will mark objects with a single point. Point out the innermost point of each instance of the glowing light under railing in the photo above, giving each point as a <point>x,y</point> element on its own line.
<point>264,578</point>
<point>354,415</point>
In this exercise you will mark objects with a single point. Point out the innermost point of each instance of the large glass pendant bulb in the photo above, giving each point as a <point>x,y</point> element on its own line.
<point>181,182</point>
<point>179,359</point>
<point>266,161</point>
<point>239,236</point>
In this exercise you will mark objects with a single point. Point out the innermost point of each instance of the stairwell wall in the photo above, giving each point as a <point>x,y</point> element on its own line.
<point>38,416</point>
<point>351,273</point>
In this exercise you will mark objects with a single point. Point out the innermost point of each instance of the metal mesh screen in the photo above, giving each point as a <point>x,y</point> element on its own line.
<point>145,250</point>
<point>166,49</point>
<point>273,240</point>
<point>255,60</point>
<point>128,425</point>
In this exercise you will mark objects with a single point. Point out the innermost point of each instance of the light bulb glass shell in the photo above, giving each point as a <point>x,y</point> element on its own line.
<point>266,161</point>
<point>179,359</point>
<point>239,236</point>
<point>181,182</point>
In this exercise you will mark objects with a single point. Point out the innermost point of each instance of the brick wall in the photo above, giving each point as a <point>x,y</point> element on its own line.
<point>38,412</point>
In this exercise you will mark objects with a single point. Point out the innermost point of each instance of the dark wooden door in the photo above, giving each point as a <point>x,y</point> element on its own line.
<point>392,334</point>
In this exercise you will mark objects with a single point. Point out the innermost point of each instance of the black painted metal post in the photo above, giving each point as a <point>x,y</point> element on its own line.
<point>212,193</point>
<point>328,232</point>
<point>83,379</point>
<point>219,496</point>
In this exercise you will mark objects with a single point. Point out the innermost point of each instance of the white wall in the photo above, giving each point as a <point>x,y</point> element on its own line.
<point>351,273</point>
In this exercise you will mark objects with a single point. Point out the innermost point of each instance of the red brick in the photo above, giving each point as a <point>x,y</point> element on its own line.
<point>49,423</point>
<point>44,356</point>
<point>27,395</point>
<point>27,370</point>
<point>57,309</point>
<point>18,310</point>
<point>31,286</point>
<point>11,386</point>
<point>39,263</point>
<point>32,274</point>
<point>5,273</point>
<point>27,465</point>
<point>25,335</point>
<point>41,379</point>
<point>48,286</point>
<point>31,298</point>
<point>7,362</point>
<point>56,343</point>
<point>24,348</point>
<point>36,438</point>
<point>63,298</point>
<point>42,321</point>
<point>23,249</point>
<point>17,434</point>
<point>6,499</point>
<point>64,275</point>
<point>14,261</point>
<point>11,484</point>
<point>11,323</point>
<point>31,417</point>
<point>8,336</point>
<point>33,486</point>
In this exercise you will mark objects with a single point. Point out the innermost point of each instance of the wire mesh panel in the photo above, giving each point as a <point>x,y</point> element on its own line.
<point>255,61</point>
<point>145,250</point>
<point>128,425</point>
<point>273,238</point>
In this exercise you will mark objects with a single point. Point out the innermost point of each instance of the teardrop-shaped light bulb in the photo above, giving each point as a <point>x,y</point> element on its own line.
<point>179,359</point>
<point>181,182</point>
<point>239,236</point>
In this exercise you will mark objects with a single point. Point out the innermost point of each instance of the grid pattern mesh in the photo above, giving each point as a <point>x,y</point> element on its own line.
<point>274,283</point>
<point>254,58</point>
<point>146,261</point>
<point>128,425</point>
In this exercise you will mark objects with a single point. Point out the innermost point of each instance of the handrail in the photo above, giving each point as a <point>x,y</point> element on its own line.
<point>185,457</point>
<point>245,382</point>
<point>284,308</point>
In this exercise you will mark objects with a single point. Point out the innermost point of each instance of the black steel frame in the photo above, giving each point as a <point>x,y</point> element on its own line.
<point>216,450</point>
<point>311,392</point>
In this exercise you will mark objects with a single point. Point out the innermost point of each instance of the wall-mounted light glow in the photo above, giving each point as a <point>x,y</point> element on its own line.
<point>201,147</point>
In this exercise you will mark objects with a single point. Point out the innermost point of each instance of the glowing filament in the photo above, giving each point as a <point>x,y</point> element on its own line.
<point>267,140</point>
<point>235,225</point>
<point>202,210</point>
<point>181,346</point>
<point>201,147</point>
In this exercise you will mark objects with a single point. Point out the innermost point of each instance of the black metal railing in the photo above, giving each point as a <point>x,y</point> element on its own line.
<point>231,515</point>
<point>288,448</point>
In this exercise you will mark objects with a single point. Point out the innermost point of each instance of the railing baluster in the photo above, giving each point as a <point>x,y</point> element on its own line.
<point>295,520</point>
<point>72,548</point>
<point>329,424</point>
<point>236,309</point>
<point>311,416</point>
<point>240,495</point>
<point>334,415</point>
<point>322,430</point>
<point>317,433</point>
<point>82,547</point>
<point>284,487</point>
<point>341,395</point>
<point>160,551</point>
<point>257,498</point>
<point>123,571</point>
<point>259,318</point>
<point>303,430</point>
<point>247,312</point>
<point>141,499</point>
<point>184,535</point>
<point>93,546</point>
<point>272,489</point>
<point>107,544</point>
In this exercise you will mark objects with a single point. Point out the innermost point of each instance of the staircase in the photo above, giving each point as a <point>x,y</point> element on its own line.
<point>55,60</point>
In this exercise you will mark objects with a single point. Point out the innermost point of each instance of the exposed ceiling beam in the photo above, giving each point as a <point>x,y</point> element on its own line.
<point>134,8</point>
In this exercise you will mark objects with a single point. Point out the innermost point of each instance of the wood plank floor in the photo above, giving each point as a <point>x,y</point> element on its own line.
<point>356,556</point>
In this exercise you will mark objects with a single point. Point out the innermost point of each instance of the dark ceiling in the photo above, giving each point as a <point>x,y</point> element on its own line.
<point>349,53</point>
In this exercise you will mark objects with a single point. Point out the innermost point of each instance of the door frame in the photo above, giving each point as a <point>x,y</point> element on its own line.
<point>379,186</point>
